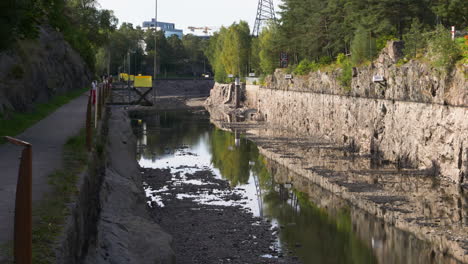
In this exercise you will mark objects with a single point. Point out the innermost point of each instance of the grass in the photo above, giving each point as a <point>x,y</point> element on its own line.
<point>50,214</point>
<point>12,124</point>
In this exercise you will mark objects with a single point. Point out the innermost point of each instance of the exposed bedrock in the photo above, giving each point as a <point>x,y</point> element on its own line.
<point>36,70</point>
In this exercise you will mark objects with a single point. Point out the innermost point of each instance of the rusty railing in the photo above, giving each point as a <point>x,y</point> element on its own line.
<point>23,205</point>
<point>95,109</point>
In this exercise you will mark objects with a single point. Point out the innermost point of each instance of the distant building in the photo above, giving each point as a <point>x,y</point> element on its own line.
<point>168,28</point>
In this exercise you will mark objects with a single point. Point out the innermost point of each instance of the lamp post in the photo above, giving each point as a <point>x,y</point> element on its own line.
<point>155,47</point>
<point>155,38</point>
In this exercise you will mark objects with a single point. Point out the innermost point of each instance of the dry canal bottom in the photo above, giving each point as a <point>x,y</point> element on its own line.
<point>223,202</point>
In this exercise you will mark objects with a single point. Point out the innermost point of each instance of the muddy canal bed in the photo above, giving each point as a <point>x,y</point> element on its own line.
<point>225,202</point>
<point>207,220</point>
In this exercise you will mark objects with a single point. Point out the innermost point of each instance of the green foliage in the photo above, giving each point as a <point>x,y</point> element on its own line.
<point>18,19</point>
<point>229,51</point>
<point>305,67</point>
<point>443,52</point>
<point>415,41</point>
<point>363,46</point>
<point>269,52</point>
<point>346,71</point>
<point>341,59</point>
<point>310,29</point>
<point>325,60</point>
<point>84,26</point>
<point>16,123</point>
<point>463,46</point>
<point>381,42</point>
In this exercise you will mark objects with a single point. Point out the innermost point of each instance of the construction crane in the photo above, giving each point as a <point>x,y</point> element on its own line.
<point>204,29</point>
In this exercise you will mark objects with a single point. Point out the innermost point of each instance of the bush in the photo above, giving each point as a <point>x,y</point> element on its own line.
<point>325,60</point>
<point>347,71</point>
<point>463,45</point>
<point>381,42</point>
<point>306,66</point>
<point>341,59</point>
<point>346,76</point>
<point>443,52</point>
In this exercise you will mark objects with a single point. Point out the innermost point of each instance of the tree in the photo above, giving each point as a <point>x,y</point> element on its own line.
<point>363,46</point>
<point>269,53</point>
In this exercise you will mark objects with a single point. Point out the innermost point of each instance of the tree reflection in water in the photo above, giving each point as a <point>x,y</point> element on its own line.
<point>329,233</point>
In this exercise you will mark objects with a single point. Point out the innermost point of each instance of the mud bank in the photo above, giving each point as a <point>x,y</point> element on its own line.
<point>210,233</point>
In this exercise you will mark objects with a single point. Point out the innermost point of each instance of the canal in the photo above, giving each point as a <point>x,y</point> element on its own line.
<point>306,221</point>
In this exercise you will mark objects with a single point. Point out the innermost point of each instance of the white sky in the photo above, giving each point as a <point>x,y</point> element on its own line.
<point>184,13</point>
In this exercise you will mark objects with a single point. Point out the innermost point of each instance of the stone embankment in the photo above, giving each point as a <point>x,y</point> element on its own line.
<point>393,149</point>
<point>110,222</point>
<point>416,118</point>
<point>36,70</point>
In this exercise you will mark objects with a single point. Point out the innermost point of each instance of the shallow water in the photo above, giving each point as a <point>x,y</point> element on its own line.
<point>310,222</point>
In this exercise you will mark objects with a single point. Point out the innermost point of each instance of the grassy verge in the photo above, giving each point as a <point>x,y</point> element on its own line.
<point>50,214</point>
<point>18,122</point>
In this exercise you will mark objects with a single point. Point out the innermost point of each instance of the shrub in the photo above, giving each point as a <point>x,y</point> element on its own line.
<point>306,66</point>
<point>463,45</point>
<point>341,59</point>
<point>346,76</point>
<point>325,60</point>
<point>347,71</point>
<point>381,41</point>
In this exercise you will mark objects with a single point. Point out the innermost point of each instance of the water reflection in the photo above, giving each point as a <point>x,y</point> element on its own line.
<point>311,223</point>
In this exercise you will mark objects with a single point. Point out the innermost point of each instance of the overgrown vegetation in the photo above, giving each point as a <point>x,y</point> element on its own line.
<point>82,24</point>
<point>50,215</point>
<point>12,124</point>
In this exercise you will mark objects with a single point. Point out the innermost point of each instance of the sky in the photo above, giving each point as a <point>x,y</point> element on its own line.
<point>185,13</point>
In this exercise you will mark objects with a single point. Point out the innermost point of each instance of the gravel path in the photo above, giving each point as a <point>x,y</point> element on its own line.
<point>47,137</point>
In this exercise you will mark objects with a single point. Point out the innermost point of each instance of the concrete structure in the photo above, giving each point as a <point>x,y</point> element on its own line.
<point>168,28</point>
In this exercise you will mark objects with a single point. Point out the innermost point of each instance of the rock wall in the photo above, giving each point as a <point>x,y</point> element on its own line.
<point>36,70</point>
<point>184,87</point>
<point>110,222</point>
<point>414,81</point>
<point>412,134</point>
<point>417,118</point>
<point>125,231</point>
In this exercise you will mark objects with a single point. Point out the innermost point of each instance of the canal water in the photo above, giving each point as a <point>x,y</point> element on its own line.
<point>309,222</point>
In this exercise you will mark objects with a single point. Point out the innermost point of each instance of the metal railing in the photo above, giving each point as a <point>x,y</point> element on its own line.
<point>23,205</point>
<point>96,105</point>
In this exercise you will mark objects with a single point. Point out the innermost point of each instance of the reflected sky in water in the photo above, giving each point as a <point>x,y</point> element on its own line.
<point>334,233</point>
